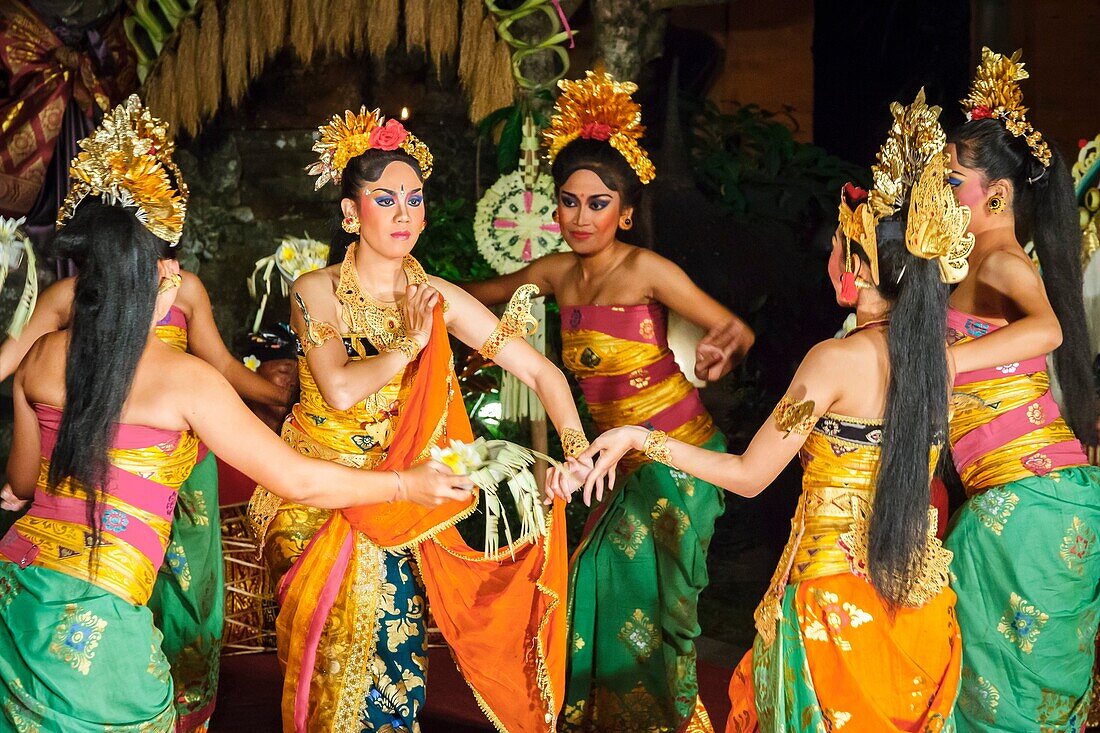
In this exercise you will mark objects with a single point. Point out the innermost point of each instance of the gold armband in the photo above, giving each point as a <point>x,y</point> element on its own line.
<point>573,442</point>
<point>516,322</point>
<point>655,448</point>
<point>317,332</point>
<point>794,417</point>
<point>406,346</point>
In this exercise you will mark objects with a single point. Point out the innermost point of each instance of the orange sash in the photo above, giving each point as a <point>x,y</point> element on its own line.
<point>502,617</point>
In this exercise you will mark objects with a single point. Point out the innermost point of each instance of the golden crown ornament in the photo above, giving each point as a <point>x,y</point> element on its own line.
<point>348,136</point>
<point>127,161</point>
<point>995,93</point>
<point>598,107</point>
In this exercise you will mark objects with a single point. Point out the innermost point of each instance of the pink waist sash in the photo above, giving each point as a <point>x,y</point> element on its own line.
<point>1014,424</point>
<point>601,389</point>
<point>1028,366</point>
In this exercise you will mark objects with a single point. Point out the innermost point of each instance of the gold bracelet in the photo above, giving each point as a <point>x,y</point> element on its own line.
<point>406,346</point>
<point>573,442</point>
<point>655,448</point>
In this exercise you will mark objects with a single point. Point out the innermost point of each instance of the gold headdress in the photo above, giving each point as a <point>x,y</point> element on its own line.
<point>126,161</point>
<point>995,92</point>
<point>344,138</point>
<point>600,108</point>
<point>913,163</point>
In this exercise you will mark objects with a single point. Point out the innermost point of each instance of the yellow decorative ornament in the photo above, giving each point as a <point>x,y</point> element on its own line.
<point>937,223</point>
<point>344,138</point>
<point>600,108</point>
<point>127,161</point>
<point>914,139</point>
<point>995,92</point>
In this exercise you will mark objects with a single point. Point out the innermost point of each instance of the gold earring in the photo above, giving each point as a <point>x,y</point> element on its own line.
<point>350,224</point>
<point>995,205</point>
<point>626,223</point>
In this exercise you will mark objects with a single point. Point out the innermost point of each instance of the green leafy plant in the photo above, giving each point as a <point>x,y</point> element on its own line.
<point>751,163</point>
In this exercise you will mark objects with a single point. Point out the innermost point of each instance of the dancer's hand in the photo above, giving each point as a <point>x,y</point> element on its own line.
<point>560,484</point>
<point>723,348</point>
<point>431,484</point>
<point>10,502</point>
<point>418,312</point>
<point>611,447</point>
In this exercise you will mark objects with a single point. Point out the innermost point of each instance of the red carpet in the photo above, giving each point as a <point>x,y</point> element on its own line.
<point>248,699</point>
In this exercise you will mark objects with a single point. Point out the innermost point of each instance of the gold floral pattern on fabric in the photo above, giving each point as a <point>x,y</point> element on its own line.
<point>23,711</point>
<point>515,323</point>
<point>578,642</point>
<point>77,636</point>
<point>175,562</point>
<point>700,720</point>
<point>978,697</point>
<point>174,336</point>
<point>629,534</point>
<point>158,667</point>
<point>794,416</point>
<point>828,617</point>
<point>1022,623</point>
<point>640,636</point>
<point>670,523</point>
<point>360,619</point>
<point>1086,631</point>
<point>685,482</point>
<point>1055,711</point>
<point>994,507</point>
<point>1076,545</point>
<point>837,718</point>
<point>9,586</point>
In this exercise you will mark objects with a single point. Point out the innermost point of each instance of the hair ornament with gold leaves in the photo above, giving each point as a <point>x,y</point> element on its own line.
<point>600,108</point>
<point>995,93</point>
<point>348,136</point>
<point>127,161</point>
<point>912,165</point>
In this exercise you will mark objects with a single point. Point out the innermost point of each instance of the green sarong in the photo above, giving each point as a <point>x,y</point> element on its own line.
<point>188,601</point>
<point>633,598</point>
<point>1027,571</point>
<point>67,648</point>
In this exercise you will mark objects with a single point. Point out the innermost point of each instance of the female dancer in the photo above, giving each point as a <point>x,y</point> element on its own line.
<point>1026,565</point>
<point>378,390</point>
<point>188,597</point>
<point>103,441</point>
<point>636,579</point>
<point>857,630</point>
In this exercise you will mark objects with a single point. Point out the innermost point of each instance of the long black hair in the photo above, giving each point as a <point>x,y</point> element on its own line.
<point>916,410</point>
<point>361,170</point>
<point>112,313</point>
<point>1045,212</point>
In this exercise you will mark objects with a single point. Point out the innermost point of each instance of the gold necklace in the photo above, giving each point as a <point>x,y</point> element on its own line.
<point>362,313</point>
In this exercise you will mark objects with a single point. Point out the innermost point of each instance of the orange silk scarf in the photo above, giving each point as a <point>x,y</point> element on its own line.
<point>502,617</point>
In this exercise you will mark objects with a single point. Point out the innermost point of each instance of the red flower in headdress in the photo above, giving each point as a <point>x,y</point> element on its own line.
<point>596,131</point>
<point>981,113</point>
<point>853,195</point>
<point>388,136</point>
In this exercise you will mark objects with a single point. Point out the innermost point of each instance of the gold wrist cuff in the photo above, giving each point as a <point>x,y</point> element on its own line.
<point>573,442</point>
<point>406,346</point>
<point>655,448</point>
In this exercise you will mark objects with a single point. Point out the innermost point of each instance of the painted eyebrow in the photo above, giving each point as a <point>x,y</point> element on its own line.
<point>394,193</point>
<point>593,196</point>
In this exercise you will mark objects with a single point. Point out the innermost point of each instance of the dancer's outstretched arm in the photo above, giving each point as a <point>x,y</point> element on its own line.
<point>815,388</point>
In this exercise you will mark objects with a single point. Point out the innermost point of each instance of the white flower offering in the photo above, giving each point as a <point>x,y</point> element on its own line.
<point>489,463</point>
